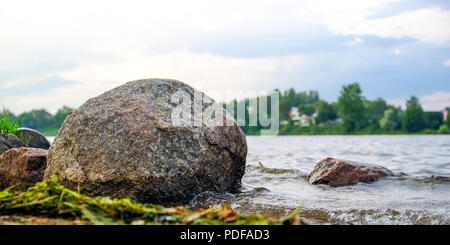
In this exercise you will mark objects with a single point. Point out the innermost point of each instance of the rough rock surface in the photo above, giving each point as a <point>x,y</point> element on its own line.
<point>9,141</point>
<point>37,140</point>
<point>336,172</point>
<point>22,167</point>
<point>123,144</point>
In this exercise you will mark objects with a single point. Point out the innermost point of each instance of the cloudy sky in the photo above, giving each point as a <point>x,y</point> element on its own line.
<point>55,53</point>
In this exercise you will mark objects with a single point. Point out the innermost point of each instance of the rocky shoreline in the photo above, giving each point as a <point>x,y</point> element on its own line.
<point>51,203</point>
<point>123,148</point>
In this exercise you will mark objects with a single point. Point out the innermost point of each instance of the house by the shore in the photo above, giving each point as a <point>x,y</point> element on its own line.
<point>302,120</point>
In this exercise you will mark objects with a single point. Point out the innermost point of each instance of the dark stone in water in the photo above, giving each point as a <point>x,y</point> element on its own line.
<point>336,172</point>
<point>22,167</point>
<point>123,144</point>
<point>37,140</point>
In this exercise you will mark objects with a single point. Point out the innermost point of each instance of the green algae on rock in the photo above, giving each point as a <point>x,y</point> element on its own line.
<point>51,200</point>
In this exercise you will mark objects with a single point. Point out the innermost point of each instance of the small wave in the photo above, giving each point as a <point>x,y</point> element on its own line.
<point>433,179</point>
<point>356,217</point>
<point>384,217</point>
<point>266,170</point>
<point>385,154</point>
<point>261,200</point>
<point>209,198</point>
<point>324,216</point>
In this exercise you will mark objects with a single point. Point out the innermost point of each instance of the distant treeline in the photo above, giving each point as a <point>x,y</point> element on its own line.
<point>352,113</point>
<point>41,120</point>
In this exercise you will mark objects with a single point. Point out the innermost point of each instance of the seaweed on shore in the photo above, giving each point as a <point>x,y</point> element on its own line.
<point>50,199</point>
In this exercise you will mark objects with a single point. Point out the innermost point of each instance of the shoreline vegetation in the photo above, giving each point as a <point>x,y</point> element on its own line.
<point>51,203</point>
<point>305,113</point>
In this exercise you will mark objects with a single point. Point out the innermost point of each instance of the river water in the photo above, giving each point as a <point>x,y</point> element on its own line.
<point>275,180</point>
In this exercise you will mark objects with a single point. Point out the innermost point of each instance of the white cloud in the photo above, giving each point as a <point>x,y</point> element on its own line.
<point>436,101</point>
<point>212,73</point>
<point>102,26</point>
<point>355,41</point>
<point>430,102</point>
<point>447,63</point>
<point>396,51</point>
<point>427,25</point>
<point>152,39</point>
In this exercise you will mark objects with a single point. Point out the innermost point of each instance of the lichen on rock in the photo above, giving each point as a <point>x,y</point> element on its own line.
<point>124,144</point>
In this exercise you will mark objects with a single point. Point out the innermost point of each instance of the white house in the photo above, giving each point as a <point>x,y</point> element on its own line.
<point>301,120</point>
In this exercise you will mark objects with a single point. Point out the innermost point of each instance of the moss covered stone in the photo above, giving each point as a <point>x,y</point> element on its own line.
<point>50,202</point>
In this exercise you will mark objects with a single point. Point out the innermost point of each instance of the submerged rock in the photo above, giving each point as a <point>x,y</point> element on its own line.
<point>123,144</point>
<point>9,141</point>
<point>37,140</point>
<point>336,172</point>
<point>22,167</point>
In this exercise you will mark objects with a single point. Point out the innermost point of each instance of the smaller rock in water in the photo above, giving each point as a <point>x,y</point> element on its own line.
<point>336,172</point>
<point>22,167</point>
<point>9,141</point>
<point>37,140</point>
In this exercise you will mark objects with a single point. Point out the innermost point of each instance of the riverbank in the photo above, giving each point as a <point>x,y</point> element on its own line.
<point>51,203</point>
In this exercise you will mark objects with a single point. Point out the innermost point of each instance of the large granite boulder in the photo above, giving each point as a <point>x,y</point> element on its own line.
<point>9,141</point>
<point>22,167</point>
<point>125,143</point>
<point>336,172</point>
<point>36,139</point>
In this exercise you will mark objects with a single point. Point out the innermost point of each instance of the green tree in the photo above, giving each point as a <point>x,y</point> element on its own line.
<point>292,96</point>
<point>447,122</point>
<point>307,109</point>
<point>57,120</point>
<point>351,107</point>
<point>413,121</point>
<point>326,112</point>
<point>432,120</point>
<point>35,119</point>
<point>444,129</point>
<point>375,110</point>
<point>284,107</point>
<point>304,98</point>
<point>390,120</point>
